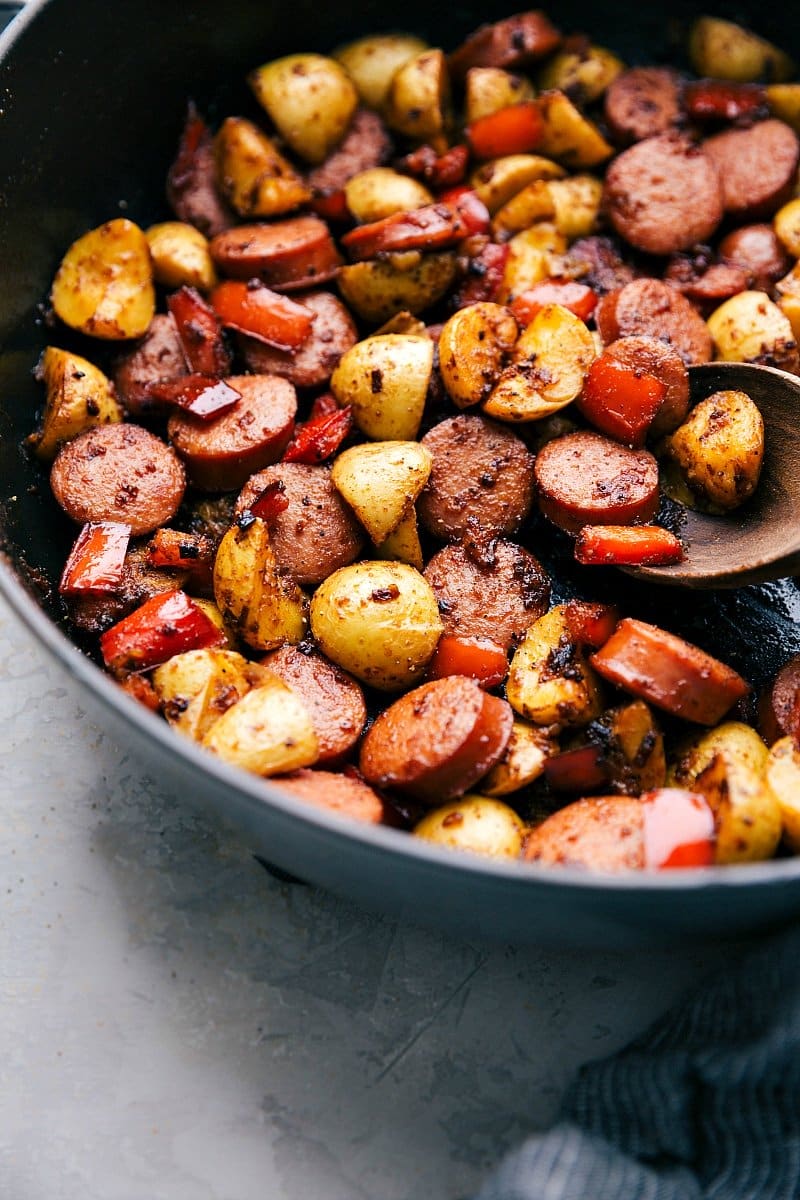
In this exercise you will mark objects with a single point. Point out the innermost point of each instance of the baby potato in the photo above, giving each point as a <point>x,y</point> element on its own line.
<point>786,224</point>
<point>787,291</point>
<point>722,50</point>
<point>379,192</point>
<point>269,731</point>
<point>530,259</point>
<point>474,823</point>
<point>385,380</point>
<point>79,396</point>
<point>104,286</point>
<point>197,687</point>
<point>783,100</point>
<point>720,449</point>
<point>548,367</point>
<point>372,61</point>
<point>783,776</point>
<point>488,89</point>
<point>534,203</point>
<point>573,205</point>
<point>380,288</point>
<point>750,328</point>
<point>380,481</point>
<point>473,348</point>
<point>527,750</point>
<point>404,322</point>
<point>549,681</point>
<point>252,173</point>
<point>181,256</point>
<point>311,100</point>
<point>379,621</point>
<point>419,96</point>
<point>403,544</point>
<point>584,74</point>
<point>569,136</point>
<point>497,181</point>
<point>264,605</point>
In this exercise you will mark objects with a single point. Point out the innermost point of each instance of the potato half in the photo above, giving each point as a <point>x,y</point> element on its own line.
<point>380,288</point>
<point>569,136</point>
<point>719,449</point>
<point>265,606</point>
<point>310,98</point>
<point>549,681</point>
<point>197,687</point>
<point>478,824</point>
<point>417,104</point>
<point>489,89</point>
<point>371,62</point>
<point>497,181</point>
<point>253,174</point>
<point>723,50</point>
<point>528,749</point>
<point>783,776</point>
<point>181,256</point>
<point>104,286</point>
<point>750,328</point>
<point>474,346</point>
<point>269,731</point>
<point>380,481</point>
<point>385,380</point>
<point>379,192</point>
<point>79,396</point>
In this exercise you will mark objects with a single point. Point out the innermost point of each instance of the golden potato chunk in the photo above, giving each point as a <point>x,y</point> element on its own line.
<point>252,173</point>
<point>750,328</point>
<point>474,823</point>
<point>549,681</point>
<point>784,102</point>
<point>488,89</point>
<point>197,687</point>
<point>403,544</point>
<point>311,100</point>
<point>497,181</point>
<point>380,481</point>
<point>786,223</point>
<point>379,192</point>
<point>584,73</point>
<point>372,61</point>
<point>719,448</point>
<point>269,731</point>
<point>381,288</point>
<point>528,749</point>
<point>265,606</point>
<point>104,286</point>
<point>385,380</point>
<point>783,776</point>
<point>723,50</point>
<point>181,256</point>
<point>532,257</point>
<point>573,205</point>
<point>474,346</point>
<point>79,396</point>
<point>419,96</point>
<point>569,136</point>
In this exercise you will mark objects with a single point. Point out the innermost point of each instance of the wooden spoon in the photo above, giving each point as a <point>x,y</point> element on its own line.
<point>760,540</point>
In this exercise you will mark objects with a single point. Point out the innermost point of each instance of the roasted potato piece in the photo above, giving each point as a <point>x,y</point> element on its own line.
<point>371,62</point>
<point>497,181</point>
<point>523,762</point>
<point>750,328</point>
<point>419,96</point>
<point>181,256</point>
<point>104,286</point>
<point>728,766</point>
<point>385,379</point>
<point>722,50</point>
<point>573,205</point>
<point>584,74</point>
<point>474,823</point>
<point>379,621</point>
<point>474,346</point>
<point>549,681</point>
<point>381,288</point>
<point>783,776</point>
<point>269,731</point>
<point>784,102</point>
<point>532,256</point>
<point>196,688</point>
<point>548,367</point>
<point>788,293</point>
<point>380,191</point>
<point>719,448</point>
<point>633,748</point>
<point>380,481</point>
<point>252,173</point>
<point>79,396</point>
<point>265,606</point>
<point>311,100</point>
<point>403,322</point>
<point>569,136</point>
<point>403,544</point>
<point>488,89</point>
<point>786,223</point>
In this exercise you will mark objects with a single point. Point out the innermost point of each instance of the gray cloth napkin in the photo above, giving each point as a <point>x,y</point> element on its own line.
<point>705,1106</point>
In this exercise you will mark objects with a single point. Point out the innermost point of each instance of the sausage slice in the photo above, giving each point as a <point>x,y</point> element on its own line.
<point>600,263</point>
<point>119,473</point>
<point>343,794</point>
<point>335,702</point>
<point>652,357</point>
<point>652,307</point>
<point>514,42</point>
<point>332,334</point>
<point>221,454</point>
<point>642,102</point>
<point>779,706</point>
<point>366,144</point>
<point>757,167</point>
<point>288,256</point>
<point>438,740</point>
<point>757,251</point>
<point>601,833</point>
<point>157,357</point>
<point>586,479</point>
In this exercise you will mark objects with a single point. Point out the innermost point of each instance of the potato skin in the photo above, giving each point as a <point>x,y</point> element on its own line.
<point>269,731</point>
<point>723,50</point>
<point>79,396</point>
<point>478,824</point>
<point>379,192</point>
<point>750,328</point>
<point>181,256</point>
<point>385,379</point>
<point>783,776</point>
<point>720,450</point>
<point>495,182</point>
<point>372,61</point>
<point>379,289</point>
<point>473,348</point>
<point>380,481</point>
<point>104,286</point>
<point>310,98</point>
<point>418,98</point>
<point>528,749</point>
<point>252,174</point>
<point>549,681</point>
<point>197,687</point>
<point>265,607</point>
<point>548,367</point>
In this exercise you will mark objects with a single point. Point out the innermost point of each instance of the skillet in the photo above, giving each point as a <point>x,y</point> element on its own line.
<point>92,99</point>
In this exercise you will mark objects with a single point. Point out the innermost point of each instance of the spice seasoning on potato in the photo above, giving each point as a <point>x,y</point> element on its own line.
<point>719,449</point>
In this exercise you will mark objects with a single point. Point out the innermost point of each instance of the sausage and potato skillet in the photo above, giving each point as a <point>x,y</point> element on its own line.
<point>408,327</point>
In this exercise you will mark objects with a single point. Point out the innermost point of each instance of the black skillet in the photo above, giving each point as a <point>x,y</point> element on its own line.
<point>92,97</point>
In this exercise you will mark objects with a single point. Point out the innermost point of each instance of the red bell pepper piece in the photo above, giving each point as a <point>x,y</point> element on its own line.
<point>578,297</point>
<point>319,438</point>
<point>590,624</point>
<point>438,170</point>
<point>621,401</point>
<point>580,770</point>
<point>720,100</point>
<point>516,129</point>
<point>331,206</point>
<point>478,658</point>
<point>470,208</point>
<point>96,561</point>
<point>484,276</point>
<point>627,546</point>
<point>178,551</point>
<point>271,501</point>
<point>200,333</point>
<point>194,133</point>
<point>203,396</point>
<point>167,624</point>
<point>678,829</point>
<point>256,310</point>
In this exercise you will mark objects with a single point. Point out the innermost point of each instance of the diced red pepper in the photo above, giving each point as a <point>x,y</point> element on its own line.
<point>256,310</point>
<point>470,207</point>
<point>620,400</point>
<point>203,396</point>
<point>476,657</point>
<point>590,624</point>
<point>167,624</point>
<point>516,129</point>
<point>178,551</point>
<point>141,689</point>
<point>96,561</point>
<point>578,297</point>
<point>678,829</point>
<point>331,206</point>
<point>319,438</point>
<point>439,170</point>
<point>484,276</point>
<point>627,546</point>
<point>200,333</point>
<point>271,501</point>
<point>195,132</point>
<point>324,405</point>
<point>720,100</point>
<point>580,770</point>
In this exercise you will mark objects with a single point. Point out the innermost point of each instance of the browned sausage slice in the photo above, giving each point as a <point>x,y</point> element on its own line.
<point>600,264</point>
<point>663,195</point>
<point>705,282</point>
<point>779,705</point>
<point>652,357</point>
<point>669,672</point>
<point>601,833</point>
<point>332,334</point>
<point>586,479</point>
<point>317,533</point>
<point>157,357</point>
<point>287,255</point>
<point>221,455</point>
<point>642,102</point>
<point>191,181</point>
<point>758,252</point>
<point>514,42</point>
<point>366,144</point>
<point>438,740</point>
<point>498,600</point>
<point>482,475</point>
<point>343,794</point>
<point>652,307</point>
<point>335,702</point>
<point>119,473</point>
<point>757,167</point>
